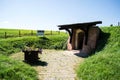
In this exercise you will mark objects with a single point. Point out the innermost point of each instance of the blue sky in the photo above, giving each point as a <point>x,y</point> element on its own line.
<point>47,14</point>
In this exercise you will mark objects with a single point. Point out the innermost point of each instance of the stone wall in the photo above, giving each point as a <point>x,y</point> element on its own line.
<point>93,35</point>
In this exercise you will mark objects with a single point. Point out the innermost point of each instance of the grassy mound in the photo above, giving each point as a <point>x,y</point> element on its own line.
<point>12,45</point>
<point>105,64</point>
<point>14,70</point>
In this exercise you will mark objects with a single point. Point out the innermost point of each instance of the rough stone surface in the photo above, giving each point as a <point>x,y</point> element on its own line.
<point>60,65</point>
<point>92,40</point>
<point>55,64</point>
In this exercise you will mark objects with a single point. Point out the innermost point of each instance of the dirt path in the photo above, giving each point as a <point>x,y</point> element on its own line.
<point>57,65</point>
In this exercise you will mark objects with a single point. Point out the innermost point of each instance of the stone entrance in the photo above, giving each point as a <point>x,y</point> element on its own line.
<point>77,40</point>
<point>83,36</point>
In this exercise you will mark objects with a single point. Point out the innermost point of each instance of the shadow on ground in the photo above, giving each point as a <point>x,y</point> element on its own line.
<point>83,55</point>
<point>37,63</point>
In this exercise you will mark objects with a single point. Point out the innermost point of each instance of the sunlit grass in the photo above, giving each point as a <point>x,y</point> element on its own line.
<point>10,33</point>
<point>105,64</point>
<point>15,70</point>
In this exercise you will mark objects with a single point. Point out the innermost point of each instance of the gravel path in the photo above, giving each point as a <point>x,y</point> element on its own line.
<point>55,64</point>
<point>60,65</point>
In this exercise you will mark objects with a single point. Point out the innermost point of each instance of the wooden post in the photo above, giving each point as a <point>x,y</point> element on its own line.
<point>51,32</point>
<point>5,34</point>
<point>118,23</point>
<point>59,32</point>
<point>86,35</point>
<point>31,32</point>
<point>19,33</point>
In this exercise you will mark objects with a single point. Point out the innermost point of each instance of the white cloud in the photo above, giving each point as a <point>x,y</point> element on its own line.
<point>4,22</point>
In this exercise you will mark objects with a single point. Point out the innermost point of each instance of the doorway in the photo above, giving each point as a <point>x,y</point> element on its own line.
<point>79,39</point>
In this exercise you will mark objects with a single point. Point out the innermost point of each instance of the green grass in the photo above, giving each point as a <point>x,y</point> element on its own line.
<point>16,33</point>
<point>105,64</point>
<point>20,33</point>
<point>15,70</point>
<point>13,45</point>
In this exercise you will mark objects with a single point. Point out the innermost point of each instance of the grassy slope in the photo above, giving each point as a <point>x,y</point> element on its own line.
<point>12,45</point>
<point>105,64</point>
<point>15,70</point>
